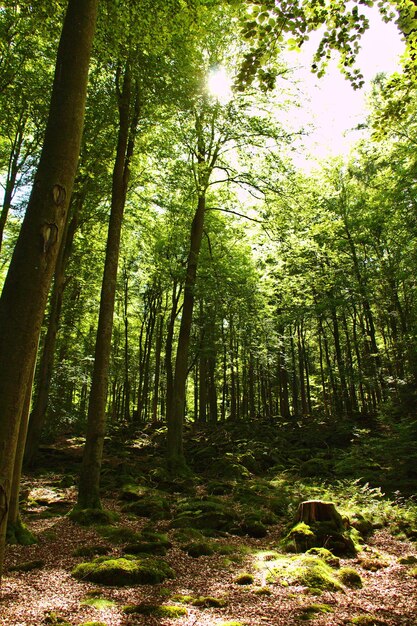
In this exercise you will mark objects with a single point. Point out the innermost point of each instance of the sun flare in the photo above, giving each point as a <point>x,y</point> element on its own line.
<point>220,85</point>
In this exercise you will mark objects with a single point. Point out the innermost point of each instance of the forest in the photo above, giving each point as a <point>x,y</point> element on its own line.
<point>208,353</point>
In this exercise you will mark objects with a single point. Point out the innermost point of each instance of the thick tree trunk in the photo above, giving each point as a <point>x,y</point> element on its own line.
<point>25,291</point>
<point>175,451</point>
<point>46,363</point>
<point>89,486</point>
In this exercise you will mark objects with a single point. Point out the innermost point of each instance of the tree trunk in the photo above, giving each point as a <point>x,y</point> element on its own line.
<point>46,363</point>
<point>175,451</point>
<point>313,511</point>
<point>89,486</point>
<point>25,291</point>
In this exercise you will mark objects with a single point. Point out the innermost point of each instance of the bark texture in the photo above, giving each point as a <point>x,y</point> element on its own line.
<point>25,291</point>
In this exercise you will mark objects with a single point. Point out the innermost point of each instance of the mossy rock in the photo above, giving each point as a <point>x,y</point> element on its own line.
<point>154,508</point>
<point>199,548</point>
<point>327,556</point>
<point>203,514</point>
<point>307,570</point>
<point>208,602</point>
<point>252,527</point>
<point>244,579</point>
<point>407,560</point>
<point>27,566</point>
<point>145,547</point>
<point>132,492</point>
<point>310,612</point>
<point>186,535</point>
<point>90,517</point>
<point>363,525</point>
<point>367,620</point>
<point>98,603</point>
<point>19,534</point>
<point>117,534</point>
<point>350,577</point>
<point>94,550</point>
<point>164,611</point>
<point>124,571</point>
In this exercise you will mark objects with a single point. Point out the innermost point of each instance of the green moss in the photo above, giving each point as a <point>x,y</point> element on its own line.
<point>325,555</point>
<point>93,624</point>
<point>183,599</point>
<point>413,572</point>
<point>407,560</point>
<point>350,577</point>
<point>232,623</point>
<point>98,603</point>
<point>207,602</point>
<point>124,571</point>
<point>367,620</point>
<point>89,517</point>
<point>91,550</point>
<point>19,534</point>
<point>28,566</point>
<point>307,570</point>
<point>53,618</point>
<point>244,579</point>
<point>145,547</point>
<point>263,591</point>
<point>184,535</point>
<point>199,548</point>
<point>208,513</point>
<point>154,508</point>
<point>303,537</point>
<point>117,534</point>
<point>169,612</point>
<point>310,612</point>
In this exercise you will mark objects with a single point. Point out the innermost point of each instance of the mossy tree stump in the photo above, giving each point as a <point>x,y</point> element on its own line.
<point>319,524</point>
<point>313,511</point>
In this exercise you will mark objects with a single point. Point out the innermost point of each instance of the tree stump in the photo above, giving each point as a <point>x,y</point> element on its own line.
<point>313,511</point>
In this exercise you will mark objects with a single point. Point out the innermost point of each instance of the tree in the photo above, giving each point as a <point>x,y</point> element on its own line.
<point>25,291</point>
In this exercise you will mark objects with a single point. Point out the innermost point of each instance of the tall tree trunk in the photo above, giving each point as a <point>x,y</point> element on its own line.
<point>89,485</point>
<point>157,376</point>
<point>25,291</point>
<point>176,292</point>
<point>175,450</point>
<point>46,363</point>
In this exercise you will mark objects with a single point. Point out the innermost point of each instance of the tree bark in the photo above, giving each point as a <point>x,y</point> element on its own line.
<point>175,450</point>
<point>89,485</point>
<point>25,291</point>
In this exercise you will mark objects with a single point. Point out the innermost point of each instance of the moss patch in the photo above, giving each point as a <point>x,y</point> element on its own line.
<point>307,570</point>
<point>244,579</point>
<point>98,603</point>
<point>367,620</point>
<point>19,534</point>
<point>94,550</point>
<point>89,517</point>
<point>310,612</point>
<point>303,537</point>
<point>124,571</point>
<point>117,534</point>
<point>28,566</point>
<point>162,610</point>
<point>350,577</point>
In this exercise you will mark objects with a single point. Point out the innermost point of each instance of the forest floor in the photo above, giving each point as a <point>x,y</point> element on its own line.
<point>49,594</point>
